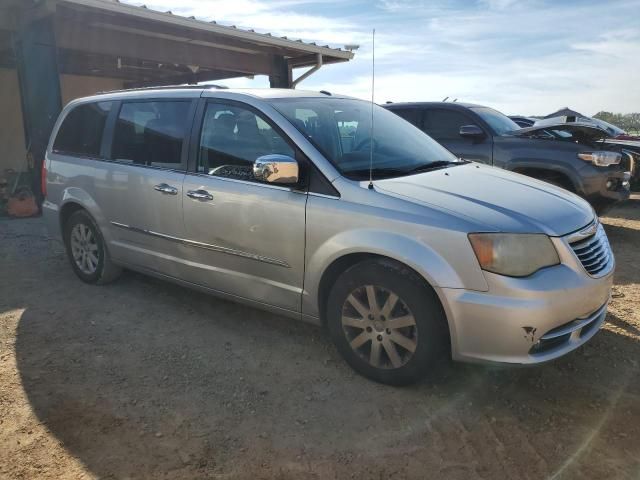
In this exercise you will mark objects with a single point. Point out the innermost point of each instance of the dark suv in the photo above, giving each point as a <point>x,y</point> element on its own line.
<point>573,156</point>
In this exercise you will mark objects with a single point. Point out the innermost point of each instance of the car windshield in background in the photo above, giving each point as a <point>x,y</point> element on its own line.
<point>611,129</point>
<point>499,122</point>
<point>341,129</point>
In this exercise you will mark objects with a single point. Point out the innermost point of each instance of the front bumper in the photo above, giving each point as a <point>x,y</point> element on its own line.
<point>608,186</point>
<point>528,320</point>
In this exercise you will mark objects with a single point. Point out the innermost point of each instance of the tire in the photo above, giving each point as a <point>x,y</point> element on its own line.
<point>87,250</point>
<point>374,342</point>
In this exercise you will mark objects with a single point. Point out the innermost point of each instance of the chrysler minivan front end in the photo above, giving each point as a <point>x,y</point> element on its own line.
<point>545,259</point>
<point>540,316</point>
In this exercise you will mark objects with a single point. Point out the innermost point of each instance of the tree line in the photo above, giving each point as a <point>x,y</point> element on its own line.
<point>626,121</point>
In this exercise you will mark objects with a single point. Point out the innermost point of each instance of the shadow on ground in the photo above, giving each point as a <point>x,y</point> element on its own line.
<point>627,210</point>
<point>146,379</point>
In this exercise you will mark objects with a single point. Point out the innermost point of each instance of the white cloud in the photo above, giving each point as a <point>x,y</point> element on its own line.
<point>520,57</point>
<point>499,4</point>
<point>278,17</point>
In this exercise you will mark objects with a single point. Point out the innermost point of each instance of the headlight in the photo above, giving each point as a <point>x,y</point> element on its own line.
<point>515,255</point>
<point>601,159</point>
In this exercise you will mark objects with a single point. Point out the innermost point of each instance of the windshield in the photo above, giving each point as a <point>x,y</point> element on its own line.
<point>499,122</point>
<point>612,129</point>
<point>341,129</point>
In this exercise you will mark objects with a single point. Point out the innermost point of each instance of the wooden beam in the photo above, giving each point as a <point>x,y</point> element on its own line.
<point>185,79</point>
<point>74,36</point>
<point>282,75</point>
<point>79,63</point>
<point>310,60</point>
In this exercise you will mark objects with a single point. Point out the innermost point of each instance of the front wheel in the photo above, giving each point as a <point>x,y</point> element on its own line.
<point>386,322</point>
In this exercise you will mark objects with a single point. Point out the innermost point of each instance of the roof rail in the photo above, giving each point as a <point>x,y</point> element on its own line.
<point>165,87</point>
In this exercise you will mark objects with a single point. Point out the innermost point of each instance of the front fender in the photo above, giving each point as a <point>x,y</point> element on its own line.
<point>550,155</point>
<point>416,255</point>
<point>567,171</point>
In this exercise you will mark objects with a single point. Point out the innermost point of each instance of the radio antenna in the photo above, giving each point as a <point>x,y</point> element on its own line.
<point>373,86</point>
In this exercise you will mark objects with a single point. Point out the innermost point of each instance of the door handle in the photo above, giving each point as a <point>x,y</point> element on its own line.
<point>200,195</point>
<point>166,189</point>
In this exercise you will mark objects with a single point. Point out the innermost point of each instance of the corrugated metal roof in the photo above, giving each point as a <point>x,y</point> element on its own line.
<point>213,27</point>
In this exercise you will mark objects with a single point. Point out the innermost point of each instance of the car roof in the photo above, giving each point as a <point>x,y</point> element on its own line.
<point>194,91</point>
<point>456,105</point>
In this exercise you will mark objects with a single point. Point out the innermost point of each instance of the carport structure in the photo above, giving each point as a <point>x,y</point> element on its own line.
<point>52,51</point>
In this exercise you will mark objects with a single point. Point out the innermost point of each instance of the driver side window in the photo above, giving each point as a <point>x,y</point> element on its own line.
<point>232,138</point>
<point>442,124</point>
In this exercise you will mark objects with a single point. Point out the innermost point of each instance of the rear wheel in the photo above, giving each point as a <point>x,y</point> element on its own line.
<point>387,324</point>
<point>87,251</point>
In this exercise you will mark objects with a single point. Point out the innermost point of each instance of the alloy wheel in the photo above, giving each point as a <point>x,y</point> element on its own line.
<point>379,327</point>
<point>84,248</point>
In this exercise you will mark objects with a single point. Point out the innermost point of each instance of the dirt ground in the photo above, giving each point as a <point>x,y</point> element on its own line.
<point>143,379</point>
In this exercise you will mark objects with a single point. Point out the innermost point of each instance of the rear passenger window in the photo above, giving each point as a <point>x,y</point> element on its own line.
<point>151,133</point>
<point>82,129</point>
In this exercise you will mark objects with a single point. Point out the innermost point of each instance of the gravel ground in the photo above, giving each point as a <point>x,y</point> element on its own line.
<point>143,379</point>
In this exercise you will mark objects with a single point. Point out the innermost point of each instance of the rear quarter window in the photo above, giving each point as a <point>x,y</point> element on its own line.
<point>82,130</point>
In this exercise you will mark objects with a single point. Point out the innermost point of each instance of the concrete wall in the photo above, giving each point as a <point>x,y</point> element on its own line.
<point>12,149</point>
<point>75,86</point>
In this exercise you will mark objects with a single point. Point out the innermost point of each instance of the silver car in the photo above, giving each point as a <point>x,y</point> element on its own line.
<point>296,202</point>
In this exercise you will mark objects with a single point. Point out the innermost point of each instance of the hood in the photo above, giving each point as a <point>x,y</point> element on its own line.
<point>626,136</point>
<point>630,144</point>
<point>494,199</point>
<point>578,131</point>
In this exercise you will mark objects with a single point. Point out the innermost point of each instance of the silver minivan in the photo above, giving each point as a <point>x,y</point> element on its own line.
<point>330,210</point>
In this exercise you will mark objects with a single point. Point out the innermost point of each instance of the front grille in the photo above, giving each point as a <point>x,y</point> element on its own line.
<point>594,252</point>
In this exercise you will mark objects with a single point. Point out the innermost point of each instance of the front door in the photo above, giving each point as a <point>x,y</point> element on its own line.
<point>244,237</point>
<point>443,125</point>
<point>145,180</point>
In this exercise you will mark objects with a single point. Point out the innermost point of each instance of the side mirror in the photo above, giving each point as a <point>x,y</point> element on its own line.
<point>471,131</point>
<point>276,168</point>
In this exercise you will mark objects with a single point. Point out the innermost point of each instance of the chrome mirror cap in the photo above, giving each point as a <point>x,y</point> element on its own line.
<point>276,168</point>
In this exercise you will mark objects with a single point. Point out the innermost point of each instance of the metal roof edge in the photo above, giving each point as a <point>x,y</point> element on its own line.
<point>167,17</point>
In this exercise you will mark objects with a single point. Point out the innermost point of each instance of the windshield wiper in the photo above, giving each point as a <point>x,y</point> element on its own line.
<point>388,172</point>
<point>377,173</point>
<point>434,166</point>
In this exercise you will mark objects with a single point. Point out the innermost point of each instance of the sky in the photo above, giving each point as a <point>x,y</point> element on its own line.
<point>518,56</point>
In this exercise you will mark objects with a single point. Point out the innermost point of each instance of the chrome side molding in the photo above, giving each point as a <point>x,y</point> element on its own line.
<point>205,246</point>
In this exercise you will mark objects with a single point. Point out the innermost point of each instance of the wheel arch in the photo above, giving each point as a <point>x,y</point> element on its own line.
<point>417,257</point>
<point>548,174</point>
<point>67,210</point>
<point>74,199</point>
<point>548,167</point>
<point>333,271</point>
<point>341,264</point>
